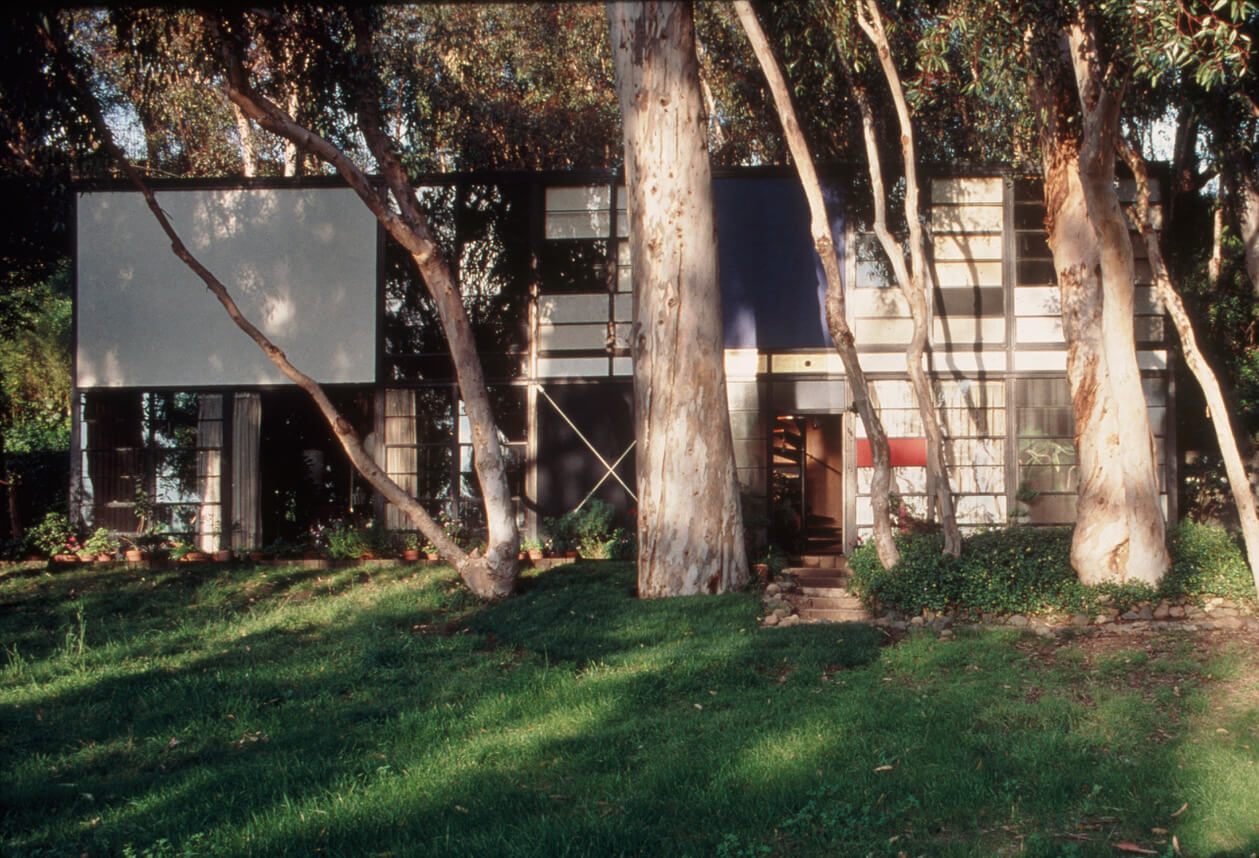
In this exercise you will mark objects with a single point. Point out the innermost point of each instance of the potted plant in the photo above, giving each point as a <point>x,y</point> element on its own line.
<point>141,542</point>
<point>101,545</point>
<point>50,536</point>
<point>410,541</point>
<point>532,548</point>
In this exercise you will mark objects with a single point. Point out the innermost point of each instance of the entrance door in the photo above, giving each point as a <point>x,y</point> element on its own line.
<point>807,507</point>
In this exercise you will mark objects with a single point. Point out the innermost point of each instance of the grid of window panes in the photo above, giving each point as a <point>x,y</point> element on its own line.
<point>428,450</point>
<point>1048,475</point>
<point>484,234</point>
<point>158,451</point>
<point>973,415</point>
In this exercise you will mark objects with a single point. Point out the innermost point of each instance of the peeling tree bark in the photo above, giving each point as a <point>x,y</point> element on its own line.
<point>690,530</point>
<point>1119,533</point>
<point>1243,497</point>
<point>914,283</point>
<point>836,314</point>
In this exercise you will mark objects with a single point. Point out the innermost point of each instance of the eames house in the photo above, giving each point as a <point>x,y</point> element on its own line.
<point>176,407</point>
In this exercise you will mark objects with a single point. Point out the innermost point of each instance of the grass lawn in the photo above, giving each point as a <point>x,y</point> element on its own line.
<point>198,711</point>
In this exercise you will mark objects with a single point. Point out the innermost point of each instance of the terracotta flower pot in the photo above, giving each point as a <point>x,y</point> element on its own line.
<point>196,557</point>
<point>136,556</point>
<point>411,555</point>
<point>256,557</point>
<point>104,558</point>
<point>65,558</point>
<point>223,556</point>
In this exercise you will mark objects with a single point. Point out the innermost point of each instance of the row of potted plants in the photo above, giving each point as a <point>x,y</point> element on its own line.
<point>590,532</point>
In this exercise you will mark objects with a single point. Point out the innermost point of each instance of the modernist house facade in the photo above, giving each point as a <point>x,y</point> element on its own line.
<point>172,399</point>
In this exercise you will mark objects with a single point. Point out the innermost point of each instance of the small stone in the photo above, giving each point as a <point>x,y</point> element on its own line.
<point>947,634</point>
<point>1228,603</point>
<point>917,622</point>
<point>1043,630</point>
<point>1129,616</point>
<point>771,620</point>
<point>928,615</point>
<point>943,622</point>
<point>988,618</point>
<point>1080,620</point>
<point>1193,612</point>
<point>1213,603</point>
<point>1225,611</point>
<point>1251,624</point>
<point>789,620</point>
<point>781,613</point>
<point>1017,620</point>
<point>900,625</point>
<point>773,590</point>
<point>1228,623</point>
<point>1145,613</point>
<point>1163,611</point>
<point>1176,612</point>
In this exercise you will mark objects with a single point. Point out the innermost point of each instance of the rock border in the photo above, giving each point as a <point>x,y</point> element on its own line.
<point>1215,614</point>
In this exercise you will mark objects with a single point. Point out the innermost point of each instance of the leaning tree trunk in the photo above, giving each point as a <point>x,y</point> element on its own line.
<point>491,576</point>
<point>494,574</point>
<point>1243,496</point>
<point>836,314</point>
<point>1119,533</point>
<point>913,283</point>
<point>690,531</point>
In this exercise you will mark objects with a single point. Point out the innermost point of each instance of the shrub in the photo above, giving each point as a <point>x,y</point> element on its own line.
<point>1028,570</point>
<point>347,540</point>
<point>591,530</point>
<point>1206,561</point>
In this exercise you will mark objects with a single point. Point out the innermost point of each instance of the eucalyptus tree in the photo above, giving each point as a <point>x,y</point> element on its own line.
<point>855,31</point>
<point>836,313</point>
<point>690,530</point>
<point>493,574</point>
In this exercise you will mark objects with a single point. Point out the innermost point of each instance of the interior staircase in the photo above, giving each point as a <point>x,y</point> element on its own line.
<point>823,590</point>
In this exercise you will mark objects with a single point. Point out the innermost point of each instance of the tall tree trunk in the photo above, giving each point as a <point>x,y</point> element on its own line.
<point>248,149</point>
<point>1243,496</point>
<point>1119,533</point>
<point>1248,222</point>
<point>836,313</point>
<point>690,530</point>
<point>914,284</point>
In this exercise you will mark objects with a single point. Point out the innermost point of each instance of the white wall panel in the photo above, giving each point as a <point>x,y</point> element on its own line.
<point>301,263</point>
<point>987,190</point>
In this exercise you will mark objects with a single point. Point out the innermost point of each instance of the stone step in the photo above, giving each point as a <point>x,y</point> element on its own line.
<point>845,601</point>
<point>823,561</point>
<point>835,615</point>
<point>824,591</point>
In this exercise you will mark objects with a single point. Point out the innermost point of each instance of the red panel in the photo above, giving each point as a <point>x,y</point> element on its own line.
<point>905,452</point>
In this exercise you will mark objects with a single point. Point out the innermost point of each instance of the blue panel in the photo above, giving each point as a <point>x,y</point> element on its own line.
<point>772,287</point>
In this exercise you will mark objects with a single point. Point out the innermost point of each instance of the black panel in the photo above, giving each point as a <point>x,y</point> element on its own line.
<point>772,286</point>
<point>567,469</point>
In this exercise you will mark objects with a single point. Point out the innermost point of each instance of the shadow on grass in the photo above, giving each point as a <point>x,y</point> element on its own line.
<point>571,720</point>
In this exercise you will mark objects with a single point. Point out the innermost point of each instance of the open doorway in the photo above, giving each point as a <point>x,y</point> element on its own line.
<point>807,479</point>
